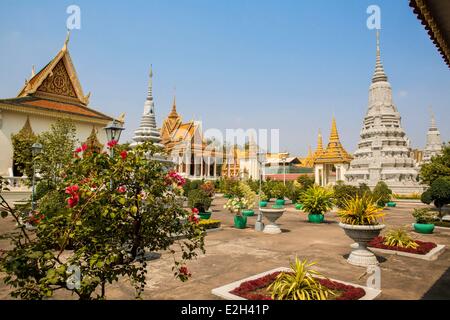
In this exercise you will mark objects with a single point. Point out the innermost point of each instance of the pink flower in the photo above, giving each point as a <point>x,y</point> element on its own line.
<point>193,218</point>
<point>84,147</point>
<point>184,271</point>
<point>123,154</point>
<point>195,210</point>
<point>111,143</point>
<point>121,189</point>
<point>72,189</point>
<point>73,201</point>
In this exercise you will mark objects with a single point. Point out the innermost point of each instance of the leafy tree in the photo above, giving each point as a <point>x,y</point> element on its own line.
<point>438,167</point>
<point>439,193</point>
<point>306,181</point>
<point>58,145</point>
<point>381,193</point>
<point>22,155</point>
<point>341,192</point>
<point>111,210</point>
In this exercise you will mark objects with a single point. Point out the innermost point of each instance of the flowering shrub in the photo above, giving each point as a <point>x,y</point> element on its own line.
<point>236,205</point>
<point>108,210</point>
<point>209,189</point>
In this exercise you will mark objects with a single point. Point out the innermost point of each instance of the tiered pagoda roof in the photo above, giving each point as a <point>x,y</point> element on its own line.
<point>55,91</point>
<point>335,152</point>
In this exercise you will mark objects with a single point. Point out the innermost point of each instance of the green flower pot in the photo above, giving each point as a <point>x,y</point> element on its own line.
<point>391,204</point>
<point>425,228</point>
<point>248,213</point>
<point>277,206</point>
<point>280,202</point>
<point>299,206</point>
<point>226,196</point>
<point>315,218</point>
<point>205,215</point>
<point>240,222</point>
<point>263,204</point>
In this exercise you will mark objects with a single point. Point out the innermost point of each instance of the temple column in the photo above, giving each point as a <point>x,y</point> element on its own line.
<point>215,167</point>
<point>201,167</point>
<point>209,167</point>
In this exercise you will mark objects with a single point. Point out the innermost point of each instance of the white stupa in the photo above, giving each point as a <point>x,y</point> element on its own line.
<point>383,152</point>
<point>148,130</point>
<point>434,142</point>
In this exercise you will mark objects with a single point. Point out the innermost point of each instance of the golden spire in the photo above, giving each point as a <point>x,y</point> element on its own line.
<point>334,136</point>
<point>335,152</point>
<point>319,142</point>
<point>66,42</point>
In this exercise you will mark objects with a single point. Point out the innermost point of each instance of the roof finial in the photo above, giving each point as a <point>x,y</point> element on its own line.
<point>150,84</point>
<point>319,141</point>
<point>379,74</point>
<point>66,42</point>
<point>433,120</point>
<point>33,71</point>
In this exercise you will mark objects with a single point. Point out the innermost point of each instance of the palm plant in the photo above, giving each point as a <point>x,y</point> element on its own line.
<point>299,284</point>
<point>316,200</point>
<point>360,210</point>
<point>399,238</point>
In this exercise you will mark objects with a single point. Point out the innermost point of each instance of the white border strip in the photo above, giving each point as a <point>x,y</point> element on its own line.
<point>430,256</point>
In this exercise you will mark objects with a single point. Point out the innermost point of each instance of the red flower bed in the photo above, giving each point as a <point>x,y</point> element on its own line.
<point>423,248</point>
<point>256,289</point>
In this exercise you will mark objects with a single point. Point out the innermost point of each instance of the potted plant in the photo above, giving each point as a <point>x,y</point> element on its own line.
<point>209,188</point>
<point>316,201</point>
<point>360,220</point>
<point>250,197</point>
<point>424,221</point>
<point>199,200</point>
<point>279,192</point>
<point>264,200</point>
<point>235,205</point>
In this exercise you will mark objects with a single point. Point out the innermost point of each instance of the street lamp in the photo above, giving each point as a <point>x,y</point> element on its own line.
<point>284,169</point>
<point>113,131</point>
<point>259,225</point>
<point>36,149</point>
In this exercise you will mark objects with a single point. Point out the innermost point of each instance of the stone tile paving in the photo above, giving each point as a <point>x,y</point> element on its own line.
<point>233,254</point>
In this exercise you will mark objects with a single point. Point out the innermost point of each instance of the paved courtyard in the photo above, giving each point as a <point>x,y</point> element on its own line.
<point>233,254</point>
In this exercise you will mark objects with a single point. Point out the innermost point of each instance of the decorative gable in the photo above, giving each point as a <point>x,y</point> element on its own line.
<point>58,82</point>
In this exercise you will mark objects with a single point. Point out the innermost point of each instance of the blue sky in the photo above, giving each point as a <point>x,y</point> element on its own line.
<point>236,64</point>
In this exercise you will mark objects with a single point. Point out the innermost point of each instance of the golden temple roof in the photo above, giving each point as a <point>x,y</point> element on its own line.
<point>335,152</point>
<point>55,91</point>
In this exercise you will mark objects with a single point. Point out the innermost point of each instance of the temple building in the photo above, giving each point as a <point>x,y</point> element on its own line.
<point>186,146</point>
<point>331,164</point>
<point>241,162</point>
<point>383,152</point>
<point>53,93</point>
<point>434,142</point>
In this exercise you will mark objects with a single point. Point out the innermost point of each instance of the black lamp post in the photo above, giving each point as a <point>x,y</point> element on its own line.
<point>36,149</point>
<point>113,131</point>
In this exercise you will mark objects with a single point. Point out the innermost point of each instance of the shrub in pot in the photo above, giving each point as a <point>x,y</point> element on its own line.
<point>250,196</point>
<point>382,194</point>
<point>199,199</point>
<point>279,192</point>
<point>424,220</point>
<point>360,217</point>
<point>235,205</point>
<point>263,200</point>
<point>316,201</point>
<point>209,188</point>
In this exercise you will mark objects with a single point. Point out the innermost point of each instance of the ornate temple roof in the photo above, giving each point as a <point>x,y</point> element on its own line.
<point>335,152</point>
<point>55,90</point>
<point>434,16</point>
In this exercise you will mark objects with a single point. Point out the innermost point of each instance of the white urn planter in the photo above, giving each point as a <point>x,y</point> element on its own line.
<point>272,215</point>
<point>360,255</point>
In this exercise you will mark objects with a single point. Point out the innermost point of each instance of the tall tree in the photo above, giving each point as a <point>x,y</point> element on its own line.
<point>438,167</point>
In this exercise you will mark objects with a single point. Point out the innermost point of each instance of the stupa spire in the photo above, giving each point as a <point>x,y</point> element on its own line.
<point>148,129</point>
<point>433,120</point>
<point>334,136</point>
<point>379,74</point>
